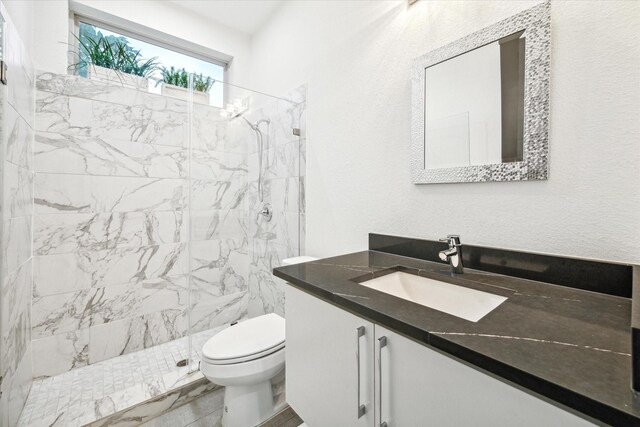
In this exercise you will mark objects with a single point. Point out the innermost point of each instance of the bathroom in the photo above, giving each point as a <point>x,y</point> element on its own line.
<point>282,220</point>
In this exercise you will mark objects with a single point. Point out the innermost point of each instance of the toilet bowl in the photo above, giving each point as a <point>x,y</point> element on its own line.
<point>244,358</point>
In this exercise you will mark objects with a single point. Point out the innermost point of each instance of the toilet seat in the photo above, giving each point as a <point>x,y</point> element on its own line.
<point>247,358</point>
<point>246,341</point>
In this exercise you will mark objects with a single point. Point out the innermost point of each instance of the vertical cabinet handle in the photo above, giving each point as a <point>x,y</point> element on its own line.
<point>361,408</point>
<point>382,342</point>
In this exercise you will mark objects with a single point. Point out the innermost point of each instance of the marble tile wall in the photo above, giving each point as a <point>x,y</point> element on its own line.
<point>126,216</point>
<point>284,189</point>
<point>16,203</point>
<point>113,188</point>
<point>219,239</point>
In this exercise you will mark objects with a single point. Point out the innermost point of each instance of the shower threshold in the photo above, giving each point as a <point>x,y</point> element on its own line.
<point>124,391</point>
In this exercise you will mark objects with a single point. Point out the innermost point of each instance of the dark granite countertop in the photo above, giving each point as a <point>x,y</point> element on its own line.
<point>568,345</point>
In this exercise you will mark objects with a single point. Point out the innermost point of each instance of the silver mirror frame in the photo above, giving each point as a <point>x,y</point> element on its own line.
<point>536,23</point>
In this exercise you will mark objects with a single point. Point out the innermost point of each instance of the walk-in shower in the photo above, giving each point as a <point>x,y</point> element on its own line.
<point>145,235</point>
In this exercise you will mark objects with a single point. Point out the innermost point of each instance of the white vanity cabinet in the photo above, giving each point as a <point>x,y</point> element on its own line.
<point>401,383</point>
<point>329,363</point>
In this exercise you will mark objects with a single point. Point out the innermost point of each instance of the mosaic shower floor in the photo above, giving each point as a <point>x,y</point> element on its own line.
<point>85,395</point>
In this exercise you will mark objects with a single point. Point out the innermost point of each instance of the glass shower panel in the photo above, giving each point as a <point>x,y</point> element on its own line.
<point>245,209</point>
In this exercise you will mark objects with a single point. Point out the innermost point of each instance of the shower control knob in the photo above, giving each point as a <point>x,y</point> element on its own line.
<point>266,212</point>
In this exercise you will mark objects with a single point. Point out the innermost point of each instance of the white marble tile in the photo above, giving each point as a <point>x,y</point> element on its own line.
<point>285,194</point>
<point>18,137</point>
<point>208,225</point>
<point>283,229</point>
<point>165,127</point>
<point>115,339</point>
<point>85,193</point>
<point>282,161</point>
<point>164,293</point>
<point>220,266</point>
<point>209,131</point>
<point>16,201</point>
<point>18,191</point>
<point>67,84</point>
<point>206,408</point>
<point>139,124</point>
<point>60,153</point>
<point>16,341</point>
<point>57,274</point>
<point>61,313</point>
<point>15,319</point>
<point>267,255</point>
<point>73,115</point>
<point>218,165</point>
<point>239,137</point>
<point>55,233</point>
<point>16,243</point>
<point>98,268</point>
<point>266,291</point>
<point>166,325</point>
<point>60,353</point>
<point>117,302</point>
<point>83,395</point>
<point>63,114</point>
<point>101,90</point>
<point>17,391</point>
<point>283,121</point>
<point>215,195</point>
<point>218,311</point>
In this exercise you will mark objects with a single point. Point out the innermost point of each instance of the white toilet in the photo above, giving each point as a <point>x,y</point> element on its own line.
<point>244,358</point>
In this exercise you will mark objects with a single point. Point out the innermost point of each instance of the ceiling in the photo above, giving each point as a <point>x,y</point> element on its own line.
<point>246,16</point>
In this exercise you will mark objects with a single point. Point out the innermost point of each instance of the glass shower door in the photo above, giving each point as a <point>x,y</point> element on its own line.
<point>246,205</point>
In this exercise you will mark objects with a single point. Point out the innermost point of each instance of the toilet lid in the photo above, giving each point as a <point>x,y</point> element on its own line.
<point>254,337</point>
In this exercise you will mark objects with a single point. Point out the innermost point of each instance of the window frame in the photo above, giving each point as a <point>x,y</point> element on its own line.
<point>145,34</point>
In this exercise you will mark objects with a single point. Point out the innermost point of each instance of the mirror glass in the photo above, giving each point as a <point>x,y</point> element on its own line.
<point>474,106</point>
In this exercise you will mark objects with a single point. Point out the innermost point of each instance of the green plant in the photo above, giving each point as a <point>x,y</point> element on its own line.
<point>180,78</point>
<point>174,77</point>
<point>113,53</point>
<point>201,83</point>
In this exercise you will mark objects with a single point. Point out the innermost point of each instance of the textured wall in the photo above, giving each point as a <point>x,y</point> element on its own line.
<point>16,144</point>
<point>358,181</point>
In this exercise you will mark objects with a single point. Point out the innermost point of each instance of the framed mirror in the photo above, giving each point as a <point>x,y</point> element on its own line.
<point>480,105</point>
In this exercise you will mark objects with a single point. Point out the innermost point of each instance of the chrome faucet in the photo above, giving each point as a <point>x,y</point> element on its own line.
<point>453,254</point>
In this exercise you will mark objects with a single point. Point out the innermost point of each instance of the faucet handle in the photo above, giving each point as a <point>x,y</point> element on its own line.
<point>452,239</point>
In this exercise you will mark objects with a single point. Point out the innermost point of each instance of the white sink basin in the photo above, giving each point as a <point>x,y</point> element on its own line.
<point>459,301</point>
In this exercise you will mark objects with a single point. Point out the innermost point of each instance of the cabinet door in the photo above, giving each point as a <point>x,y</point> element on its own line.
<point>326,381</point>
<point>422,387</point>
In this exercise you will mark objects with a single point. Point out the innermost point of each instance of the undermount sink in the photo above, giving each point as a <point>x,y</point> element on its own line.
<point>459,301</point>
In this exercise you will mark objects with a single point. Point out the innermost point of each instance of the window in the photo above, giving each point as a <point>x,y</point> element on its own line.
<point>165,58</point>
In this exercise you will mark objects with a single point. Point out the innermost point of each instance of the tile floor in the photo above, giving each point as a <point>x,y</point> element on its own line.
<point>87,394</point>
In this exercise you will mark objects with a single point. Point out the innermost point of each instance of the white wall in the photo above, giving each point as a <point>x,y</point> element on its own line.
<point>356,57</point>
<point>52,36</point>
<point>22,13</point>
